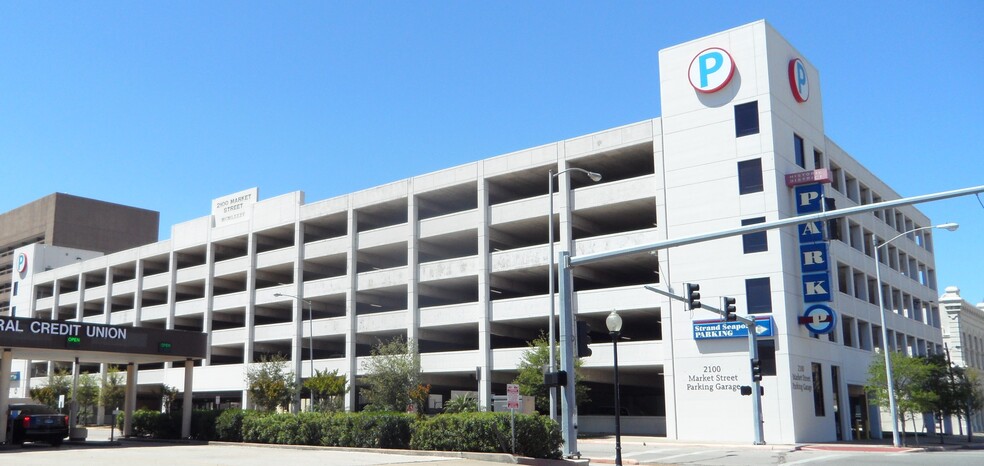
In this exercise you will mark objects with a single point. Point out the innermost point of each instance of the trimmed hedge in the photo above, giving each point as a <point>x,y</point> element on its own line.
<point>229,424</point>
<point>536,436</point>
<point>148,423</point>
<point>365,430</point>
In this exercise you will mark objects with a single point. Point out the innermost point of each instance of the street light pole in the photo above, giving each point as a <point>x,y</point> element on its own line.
<point>892,406</point>
<point>614,324</point>
<point>311,331</point>
<point>550,241</point>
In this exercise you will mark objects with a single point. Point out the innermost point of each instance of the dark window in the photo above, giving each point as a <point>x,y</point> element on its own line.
<point>758,293</point>
<point>767,356</point>
<point>817,159</point>
<point>15,288</point>
<point>754,242</point>
<point>798,150</point>
<point>746,119</point>
<point>750,176</point>
<point>818,406</point>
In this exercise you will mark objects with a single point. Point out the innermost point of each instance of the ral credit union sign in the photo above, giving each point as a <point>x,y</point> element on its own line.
<point>711,70</point>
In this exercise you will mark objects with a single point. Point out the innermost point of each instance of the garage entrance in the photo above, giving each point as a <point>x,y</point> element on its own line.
<point>34,339</point>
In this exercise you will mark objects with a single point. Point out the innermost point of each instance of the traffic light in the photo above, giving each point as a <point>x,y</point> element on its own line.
<point>555,379</point>
<point>583,339</point>
<point>756,370</point>
<point>693,295</point>
<point>729,309</point>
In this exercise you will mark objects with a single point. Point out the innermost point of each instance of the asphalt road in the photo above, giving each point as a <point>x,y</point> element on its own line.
<point>165,454</point>
<point>602,451</point>
<point>635,451</point>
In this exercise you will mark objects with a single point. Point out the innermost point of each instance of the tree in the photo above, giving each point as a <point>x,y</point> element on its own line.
<point>168,395</point>
<point>59,383</point>
<point>530,378</point>
<point>112,392</point>
<point>88,397</point>
<point>327,389</point>
<point>270,384</point>
<point>911,396</point>
<point>392,374</point>
<point>970,390</point>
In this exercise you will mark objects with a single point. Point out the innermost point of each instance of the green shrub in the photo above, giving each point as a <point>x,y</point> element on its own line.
<point>147,423</point>
<point>365,430</point>
<point>379,429</point>
<point>536,436</point>
<point>229,425</point>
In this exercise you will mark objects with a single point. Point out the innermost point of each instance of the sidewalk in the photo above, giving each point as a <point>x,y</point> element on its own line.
<point>925,443</point>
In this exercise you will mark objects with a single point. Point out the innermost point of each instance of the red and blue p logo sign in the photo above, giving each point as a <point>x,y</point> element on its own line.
<point>21,263</point>
<point>711,70</point>
<point>798,81</point>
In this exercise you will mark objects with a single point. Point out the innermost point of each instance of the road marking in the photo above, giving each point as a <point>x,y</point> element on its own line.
<point>678,456</point>
<point>819,458</point>
<point>648,452</point>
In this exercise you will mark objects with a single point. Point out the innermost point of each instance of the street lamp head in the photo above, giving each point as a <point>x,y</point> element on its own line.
<point>278,294</point>
<point>595,176</point>
<point>614,322</point>
<point>949,226</point>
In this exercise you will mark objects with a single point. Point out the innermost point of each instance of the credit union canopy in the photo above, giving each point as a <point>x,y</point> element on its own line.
<point>114,344</point>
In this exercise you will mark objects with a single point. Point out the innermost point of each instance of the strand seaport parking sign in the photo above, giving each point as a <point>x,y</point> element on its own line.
<point>714,329</point>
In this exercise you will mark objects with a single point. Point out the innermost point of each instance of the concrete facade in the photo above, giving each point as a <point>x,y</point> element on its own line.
<point>74,222</point>
<point>963,334</point>
<point>456,261</point>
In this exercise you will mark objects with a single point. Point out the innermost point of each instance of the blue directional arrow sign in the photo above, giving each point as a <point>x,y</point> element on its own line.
<point>714,329</point>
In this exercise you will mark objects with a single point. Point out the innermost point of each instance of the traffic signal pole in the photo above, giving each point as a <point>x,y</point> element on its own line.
<point>752,355</point>
<point>568,405</point>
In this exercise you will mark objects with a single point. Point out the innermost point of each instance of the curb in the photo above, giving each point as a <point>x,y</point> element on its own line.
<point>504,458</point>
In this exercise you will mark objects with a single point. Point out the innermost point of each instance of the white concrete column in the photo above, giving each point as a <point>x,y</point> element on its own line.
<point>108,296</point>
<point>250,317</point>
<point>209,297</point>
<point>484,362</point>
<point>297,319</point>
<point>351,400</point>
<point>6,356</point>
<point>187,398</point>
<point>55,302</point>
<point>107,318</point>
<point>130,399</point>
<point>666,306</point>
<point>172,288</point>
<point>101,407</point>
<point>80,300</point>
<point>413,269</point>
<point>138,294</point>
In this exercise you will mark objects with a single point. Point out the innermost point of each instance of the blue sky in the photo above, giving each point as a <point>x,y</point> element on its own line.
<point>167,105</point>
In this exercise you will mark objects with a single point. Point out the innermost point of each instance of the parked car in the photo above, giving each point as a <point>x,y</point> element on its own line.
<point>31,422</point>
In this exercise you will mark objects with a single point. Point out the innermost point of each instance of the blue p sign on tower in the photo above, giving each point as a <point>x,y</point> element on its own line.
<point>711,70</point>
